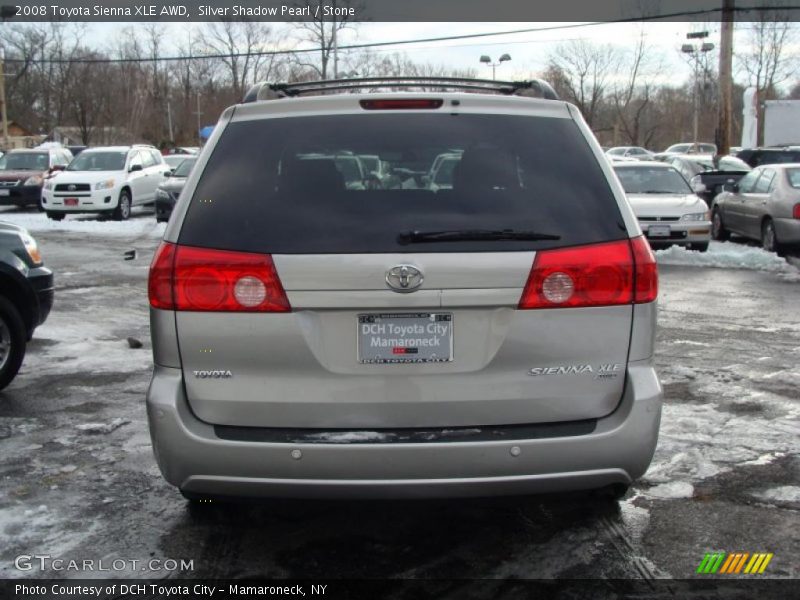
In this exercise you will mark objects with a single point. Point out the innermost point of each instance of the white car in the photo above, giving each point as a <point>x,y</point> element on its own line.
<point>669,213</point>
<point>630,152</point>
<point>109,180</point>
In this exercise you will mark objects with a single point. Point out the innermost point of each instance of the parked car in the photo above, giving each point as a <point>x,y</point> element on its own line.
<point>763,205</point>
<point>691,148</point>
<point>168,192</point>
<point>312,339</point>
<point>24,172</point>
<point>630,152</point>
<point>106,180</point>
<point>26,296</point>
<point>669,212</point>
<point>173,160</point>
<point>707,176</point>
<point>769,156</point>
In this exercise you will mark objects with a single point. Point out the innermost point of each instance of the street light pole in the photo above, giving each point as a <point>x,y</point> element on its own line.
<point>488,62</point>
<point>696,52</point>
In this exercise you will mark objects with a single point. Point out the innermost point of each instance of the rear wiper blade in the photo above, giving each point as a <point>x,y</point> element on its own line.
<point>471,235</point>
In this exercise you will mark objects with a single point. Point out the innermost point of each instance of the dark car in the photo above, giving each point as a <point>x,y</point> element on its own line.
<point>168,192</point>
<point>26,296</point>
<point>708,176</point>
<point>769,156</point>
<point>23,173</point>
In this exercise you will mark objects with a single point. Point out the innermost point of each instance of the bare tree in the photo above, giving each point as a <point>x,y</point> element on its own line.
<point>323,33</point>
<point>583,69</point>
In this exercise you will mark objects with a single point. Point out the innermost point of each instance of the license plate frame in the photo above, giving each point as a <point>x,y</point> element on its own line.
<point>71,201</point>
<point>659,231</point>
<point>397,346</point>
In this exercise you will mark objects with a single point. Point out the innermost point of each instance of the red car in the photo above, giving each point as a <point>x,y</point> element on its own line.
<point>23,172</point>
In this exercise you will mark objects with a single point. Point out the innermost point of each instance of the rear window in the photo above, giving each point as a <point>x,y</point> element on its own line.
<point>285,186</point>
<point>652,180</point>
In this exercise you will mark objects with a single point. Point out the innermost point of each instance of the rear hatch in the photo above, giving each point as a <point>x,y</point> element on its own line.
<point>396,303</point>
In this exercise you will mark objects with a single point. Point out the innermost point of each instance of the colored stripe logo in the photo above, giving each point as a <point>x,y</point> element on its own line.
<point>734,563</point>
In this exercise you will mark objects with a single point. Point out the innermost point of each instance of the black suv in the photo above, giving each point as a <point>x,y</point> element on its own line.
<point>769,156</point>
<point>26,296</point>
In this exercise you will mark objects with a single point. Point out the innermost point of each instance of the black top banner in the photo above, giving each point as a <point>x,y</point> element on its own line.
<point>396,10</point>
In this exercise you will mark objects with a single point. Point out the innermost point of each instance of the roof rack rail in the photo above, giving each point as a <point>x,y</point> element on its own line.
<point>269,91</point>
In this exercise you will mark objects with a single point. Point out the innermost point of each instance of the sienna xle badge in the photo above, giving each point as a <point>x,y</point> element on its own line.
<point>324,329</point>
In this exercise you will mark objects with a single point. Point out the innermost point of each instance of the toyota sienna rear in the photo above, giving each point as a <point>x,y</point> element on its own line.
<point>316,336</point>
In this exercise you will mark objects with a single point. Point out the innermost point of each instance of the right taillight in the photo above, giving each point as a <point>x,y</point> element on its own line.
<point>796,211</point>
<point>606,274</point>
<point>201,279</point>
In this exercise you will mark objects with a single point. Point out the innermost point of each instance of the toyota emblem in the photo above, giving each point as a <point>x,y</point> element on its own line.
<point>404,278</point>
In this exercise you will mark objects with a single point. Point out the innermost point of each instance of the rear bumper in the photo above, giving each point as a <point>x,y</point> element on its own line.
<point>193,458</point>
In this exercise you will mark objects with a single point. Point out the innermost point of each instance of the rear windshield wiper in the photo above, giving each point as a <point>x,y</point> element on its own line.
<point>471,235</point>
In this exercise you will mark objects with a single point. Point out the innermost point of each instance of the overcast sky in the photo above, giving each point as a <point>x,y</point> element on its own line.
<point>529,51</point>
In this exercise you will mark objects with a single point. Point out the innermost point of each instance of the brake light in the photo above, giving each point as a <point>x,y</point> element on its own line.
<point>201,279</point>
<point>401,104</point>
<point>796,211</point>
<point>606,274</point>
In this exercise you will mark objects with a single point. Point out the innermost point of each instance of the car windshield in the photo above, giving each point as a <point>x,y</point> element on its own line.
<point>173,160</point>
<point>98,161</point>
<point>24,161</point>
<point>678,148</point>
<point>726,163</point>
<point>183,169</point>
<point>652,180</point>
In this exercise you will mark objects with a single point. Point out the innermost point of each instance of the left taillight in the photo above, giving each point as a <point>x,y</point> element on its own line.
<point>605,274</point>
<point>796,211</point>
<point>200,279</point>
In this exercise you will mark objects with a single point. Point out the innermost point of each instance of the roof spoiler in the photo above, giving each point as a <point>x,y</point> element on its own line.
<point>534,88</point>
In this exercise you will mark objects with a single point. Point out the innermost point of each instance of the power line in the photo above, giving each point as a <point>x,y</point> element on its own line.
<point>667,16</point>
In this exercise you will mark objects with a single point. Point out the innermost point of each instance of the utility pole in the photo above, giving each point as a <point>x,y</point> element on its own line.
<point>335,45</point>
<point>198,113</point>
<point>169,122</point>
<point>3,113</point>
<point>725,78</point>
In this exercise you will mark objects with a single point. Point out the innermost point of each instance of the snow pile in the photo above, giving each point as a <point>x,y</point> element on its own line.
<point>728,255</point>
<point>38,223</point>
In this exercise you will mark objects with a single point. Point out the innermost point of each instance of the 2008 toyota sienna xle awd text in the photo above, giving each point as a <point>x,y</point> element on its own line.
<point>315,338</point>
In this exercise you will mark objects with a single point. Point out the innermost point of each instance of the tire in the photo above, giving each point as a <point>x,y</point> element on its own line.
<point>123,210</point>
<point>769,238</point>
<point>700,247</point>
<point>718,231</point>
<point>12,341</point>
<point>55,216</point>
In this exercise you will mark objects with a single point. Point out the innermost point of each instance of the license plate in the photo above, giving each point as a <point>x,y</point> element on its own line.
<point>659,231</point>
<point>5,192</point>
<point>70,202</point>
<point>405,338</point>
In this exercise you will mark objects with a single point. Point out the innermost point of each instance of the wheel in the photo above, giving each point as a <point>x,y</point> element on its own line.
<point>718,231</point>
<point>700,247</point>
<point>123,210</point>
<point>12,341</point>
<point>769,239</point>
<point>55,216</point>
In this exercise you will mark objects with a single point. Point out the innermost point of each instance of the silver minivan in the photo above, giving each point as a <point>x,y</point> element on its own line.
<point>318,339</point>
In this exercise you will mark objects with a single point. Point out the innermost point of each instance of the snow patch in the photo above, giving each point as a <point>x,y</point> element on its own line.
<point>728,255</point>
<point>38,223</point>
<point>672,490</point>
<point>785,494</point>
<point>102,427</point>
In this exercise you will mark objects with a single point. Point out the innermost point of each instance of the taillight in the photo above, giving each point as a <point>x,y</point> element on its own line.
<point>401,104</point>
<point>796,211</point>
<point>605,274</point>
<point>201,279</point>
<point>159,283</point>
<point>646,276</point>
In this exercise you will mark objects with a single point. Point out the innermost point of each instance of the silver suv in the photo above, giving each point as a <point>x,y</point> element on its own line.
<point>313,338</point>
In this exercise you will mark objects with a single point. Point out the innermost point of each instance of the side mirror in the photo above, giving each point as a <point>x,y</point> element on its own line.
<point>135,168</point>
<point>168,173</point>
